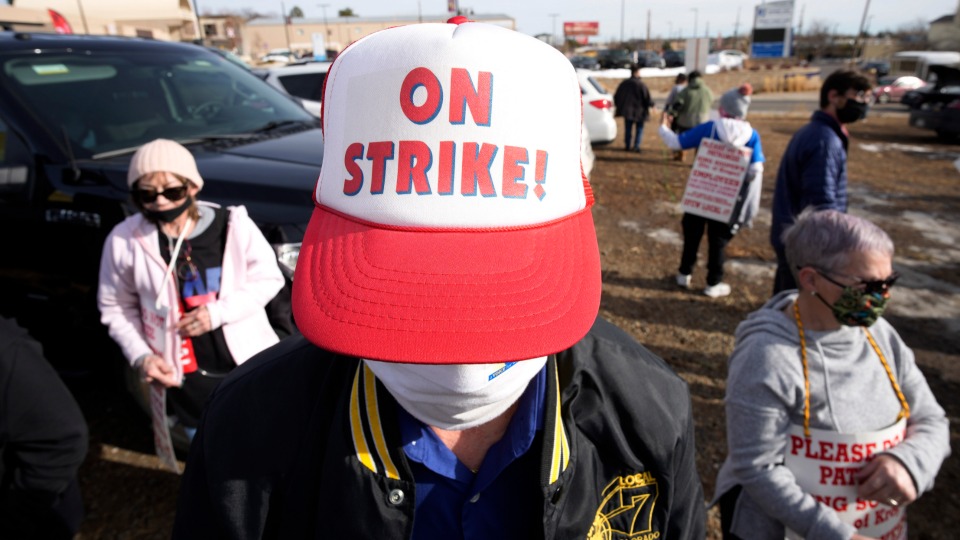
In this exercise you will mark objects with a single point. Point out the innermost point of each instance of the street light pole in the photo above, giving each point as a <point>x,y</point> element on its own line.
<point>696,13</point>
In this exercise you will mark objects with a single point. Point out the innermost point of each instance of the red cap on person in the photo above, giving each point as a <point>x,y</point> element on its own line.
<point>452,221</point>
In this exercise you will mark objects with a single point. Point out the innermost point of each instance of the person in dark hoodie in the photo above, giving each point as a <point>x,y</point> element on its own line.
<point>831,427</point>
<point>43,441</point>
<point>633,103</point>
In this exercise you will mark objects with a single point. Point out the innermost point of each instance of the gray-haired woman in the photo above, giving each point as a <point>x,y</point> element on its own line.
<point>831,427</point>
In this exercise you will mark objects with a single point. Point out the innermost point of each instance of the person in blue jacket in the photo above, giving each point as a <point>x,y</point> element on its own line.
<point>813,171</point>
<point>731,128</point>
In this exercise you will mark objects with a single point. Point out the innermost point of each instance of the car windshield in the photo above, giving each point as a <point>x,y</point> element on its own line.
<point>106,102</point>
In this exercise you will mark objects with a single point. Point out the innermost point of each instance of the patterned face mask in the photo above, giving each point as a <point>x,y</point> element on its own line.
<point>858,308</point>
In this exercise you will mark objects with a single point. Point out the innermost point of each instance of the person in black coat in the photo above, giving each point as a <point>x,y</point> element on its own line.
<point>43,441</point>
<point>633,103</point>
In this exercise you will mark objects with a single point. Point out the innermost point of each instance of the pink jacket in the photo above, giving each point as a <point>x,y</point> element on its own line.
<point>132,270</point>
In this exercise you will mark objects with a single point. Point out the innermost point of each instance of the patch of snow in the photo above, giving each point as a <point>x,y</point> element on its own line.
<point>752,268</point>
<point>666,236</point>
<point>632,226</point>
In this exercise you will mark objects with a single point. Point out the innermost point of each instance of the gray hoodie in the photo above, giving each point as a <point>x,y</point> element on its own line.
<point>850,393</point>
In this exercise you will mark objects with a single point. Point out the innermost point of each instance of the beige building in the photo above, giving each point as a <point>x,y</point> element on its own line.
<point>259,36</point>
<point>944,33</point>
<point>169,20</point>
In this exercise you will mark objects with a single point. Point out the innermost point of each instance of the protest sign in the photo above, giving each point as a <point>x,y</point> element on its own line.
<point>714,184</point>
<point>825,465</point>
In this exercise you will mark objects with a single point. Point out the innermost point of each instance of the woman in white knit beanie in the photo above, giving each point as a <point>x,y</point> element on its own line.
<point>183,283</point>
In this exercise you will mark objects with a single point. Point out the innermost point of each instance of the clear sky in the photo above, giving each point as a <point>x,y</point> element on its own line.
<point>667,17</point>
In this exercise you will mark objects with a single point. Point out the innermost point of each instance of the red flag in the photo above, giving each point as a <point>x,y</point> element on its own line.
<point>60,23</point>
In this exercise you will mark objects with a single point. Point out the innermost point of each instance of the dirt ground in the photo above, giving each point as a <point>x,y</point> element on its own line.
<point>900,177</point>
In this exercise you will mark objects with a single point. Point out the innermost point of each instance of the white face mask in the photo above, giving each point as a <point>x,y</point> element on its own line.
<point>456,396</point>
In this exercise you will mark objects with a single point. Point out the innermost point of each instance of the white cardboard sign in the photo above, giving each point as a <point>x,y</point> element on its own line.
<point>825,465</point>
<point>715,180</point>
<point>161,430</point>
<point>155,328</point>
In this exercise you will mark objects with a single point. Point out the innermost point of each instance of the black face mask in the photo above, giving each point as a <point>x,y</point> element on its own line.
<point>851,112</point>
<point>166,216</point>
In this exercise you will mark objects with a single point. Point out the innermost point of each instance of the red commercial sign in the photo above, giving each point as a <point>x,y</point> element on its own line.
<point>583,28</point>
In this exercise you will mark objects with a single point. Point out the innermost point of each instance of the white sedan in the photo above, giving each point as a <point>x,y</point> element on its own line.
<point>303,81</point>
<point>597,109</point>
<point>727,59</point>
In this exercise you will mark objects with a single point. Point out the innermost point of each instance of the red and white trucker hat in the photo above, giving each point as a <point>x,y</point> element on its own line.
<point>452,221</point>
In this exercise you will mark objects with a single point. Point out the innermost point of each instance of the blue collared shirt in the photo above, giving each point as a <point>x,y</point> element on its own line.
<point>502,500</point>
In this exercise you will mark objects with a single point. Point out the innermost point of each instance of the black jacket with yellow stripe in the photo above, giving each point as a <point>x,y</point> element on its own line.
<point>302,443</point>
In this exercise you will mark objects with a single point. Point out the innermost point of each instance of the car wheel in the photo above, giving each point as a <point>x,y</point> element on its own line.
<point>883,98</point>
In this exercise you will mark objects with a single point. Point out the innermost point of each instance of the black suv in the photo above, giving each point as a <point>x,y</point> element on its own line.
<point>614,59</point>
<point>73,109</point>
<point>936,106</point>
<point>650,59</point>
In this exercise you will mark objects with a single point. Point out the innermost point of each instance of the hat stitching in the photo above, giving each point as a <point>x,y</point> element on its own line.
<point>322,291</point>
<point>589,200</point>
<point>532,271</point>
<point>532,268</point>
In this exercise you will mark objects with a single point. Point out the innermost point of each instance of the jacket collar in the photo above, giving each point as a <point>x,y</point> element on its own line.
<point>834,124</point>
<point>378,448</point>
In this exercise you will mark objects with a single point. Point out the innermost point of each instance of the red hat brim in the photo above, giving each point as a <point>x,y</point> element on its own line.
<point>446,297</point>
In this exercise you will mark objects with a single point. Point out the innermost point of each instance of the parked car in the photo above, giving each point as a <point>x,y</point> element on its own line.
<point>727,59</point>
<point>278,56</point>
<point>936,106</point>
<point>587,157</point>
<point>303,81</point>
<point>896,89</point>
<point>597,109</point>
<point>615,59</point>
<point>651,59</point>
<point>878,68</point>
<point>585,62</point>
<point>674,58</point>
<point>941,88</point>
<point>73,109</point>
<point>227,55</point>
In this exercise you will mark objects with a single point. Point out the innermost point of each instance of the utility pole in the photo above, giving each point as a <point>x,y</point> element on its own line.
<point>286,30</point>
<point>326,29</point>
<point>84,17</point>
<point>623,11</point>
<point>648,30</point>
<point>196,17</point>
<point>553,34</point>
<point>696,13</point>
<point>856,42</point>
<point>736,31</point>
<point>800,26</point>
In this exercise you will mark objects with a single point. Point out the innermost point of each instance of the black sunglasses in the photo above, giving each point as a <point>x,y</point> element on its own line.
<point>876,286</point>
<point>173,194</point>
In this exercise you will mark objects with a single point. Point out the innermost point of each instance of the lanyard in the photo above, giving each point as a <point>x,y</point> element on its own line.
<point>904,406</point>
<point>173,261</point>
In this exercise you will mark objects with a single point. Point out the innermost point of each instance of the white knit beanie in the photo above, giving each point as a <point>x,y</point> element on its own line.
<point>163,155</point>
<point>736,102</point>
